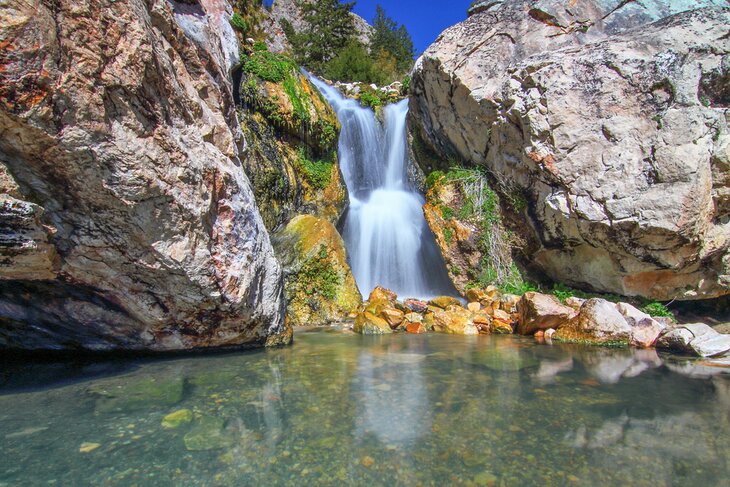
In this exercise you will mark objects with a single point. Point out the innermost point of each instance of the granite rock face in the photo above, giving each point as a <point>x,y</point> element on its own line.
<point>128,222</point>
<point>609,119</point>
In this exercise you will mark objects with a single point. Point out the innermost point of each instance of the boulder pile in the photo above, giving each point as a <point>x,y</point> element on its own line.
<point>592,321</point>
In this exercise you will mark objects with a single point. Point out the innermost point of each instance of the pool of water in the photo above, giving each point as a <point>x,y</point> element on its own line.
<point>340,409</point>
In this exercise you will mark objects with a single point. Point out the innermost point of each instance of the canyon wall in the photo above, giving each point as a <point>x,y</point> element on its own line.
<point>609,120</point>
<point>128,222</point>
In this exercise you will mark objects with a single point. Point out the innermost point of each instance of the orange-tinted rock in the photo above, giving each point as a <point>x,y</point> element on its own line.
<point>444,302</point>
<point>474,307</point>
<point>455,320</point>
<point>508,302</point>
<point>414,318</point>
<point>368,324</point>
<point>383,294</point>
<point>393,316</point>
<point>415,328</point>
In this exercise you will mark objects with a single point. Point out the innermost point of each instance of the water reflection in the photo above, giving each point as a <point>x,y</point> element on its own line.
<point>349,410</point>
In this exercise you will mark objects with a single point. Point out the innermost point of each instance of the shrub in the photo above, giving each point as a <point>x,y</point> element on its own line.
<point>239,23</point>
<point>434,178</point>
<point>655,308</point>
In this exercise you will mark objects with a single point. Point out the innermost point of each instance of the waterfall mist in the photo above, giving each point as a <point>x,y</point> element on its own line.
<point>386,235</point>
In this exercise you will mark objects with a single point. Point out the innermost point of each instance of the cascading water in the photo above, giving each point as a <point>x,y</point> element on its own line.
<point>387,239</point>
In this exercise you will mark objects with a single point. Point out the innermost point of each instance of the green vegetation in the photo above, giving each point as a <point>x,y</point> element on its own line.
<point>328,45</point>
<point>319,276</point>
<point>269,66</point>
<point>654,308</point>
<point>371,98</point>
<point>390,39</point>
<point>317,173</point>
<point>239,23</point>
<point>433,178</point>
<point>448,235</point>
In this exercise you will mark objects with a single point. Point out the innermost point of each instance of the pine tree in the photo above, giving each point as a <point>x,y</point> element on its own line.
<point>329,29</point>
<point>387,36</point>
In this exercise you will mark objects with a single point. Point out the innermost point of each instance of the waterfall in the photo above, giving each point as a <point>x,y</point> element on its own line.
<point>386,235</point>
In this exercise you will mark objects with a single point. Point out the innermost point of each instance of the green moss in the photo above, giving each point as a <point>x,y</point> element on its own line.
<point>270,67</point>
<point>456,270</point>
<point>319,277</point>
<point>448,235</point>
<point>433,178</point>
<point>317,172</point>
<point>447,212</point>
<point>328,135</point>
<point>292,88</point>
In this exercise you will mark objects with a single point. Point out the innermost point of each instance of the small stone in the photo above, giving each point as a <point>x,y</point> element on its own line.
<point>487,479</point>
<point>177,419</point>
<point>392,316</point>
<point>88,447</point>
<point>381,293</point>
<point>444,302</point>
<point>540,334</point>
<point>367,461</point>
<point>414,318</point>
<point>416,305</point>
<point>549,333</point>
<point>474,307</point>
<point>208,434</point>
<point>415,328</point>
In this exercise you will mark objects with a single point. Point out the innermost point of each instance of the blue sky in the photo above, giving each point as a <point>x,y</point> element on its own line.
<point>424,20</point>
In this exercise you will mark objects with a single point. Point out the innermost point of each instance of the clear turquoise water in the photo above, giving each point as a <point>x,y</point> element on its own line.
<point>338,409</point>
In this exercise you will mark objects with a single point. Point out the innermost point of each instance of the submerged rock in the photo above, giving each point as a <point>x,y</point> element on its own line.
<point>320,287</point>
<point>177,419</point>
<point>128,394</point>
<point>208,434</point>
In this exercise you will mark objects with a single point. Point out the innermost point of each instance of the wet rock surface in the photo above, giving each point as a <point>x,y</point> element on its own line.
<point>533,91</point>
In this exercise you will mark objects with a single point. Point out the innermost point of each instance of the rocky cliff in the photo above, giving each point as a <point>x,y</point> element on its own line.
<point>127,219</point>
<point>609,121</point>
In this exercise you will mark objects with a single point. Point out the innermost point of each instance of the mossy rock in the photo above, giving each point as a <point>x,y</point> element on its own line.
<point>208,434</point>
<point>368,324</point>
<point>130,394</point>
<point>177,419</point>
<point>319,284</point>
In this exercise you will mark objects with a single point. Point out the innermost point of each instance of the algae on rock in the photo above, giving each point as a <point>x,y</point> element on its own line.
<point>319,285</point>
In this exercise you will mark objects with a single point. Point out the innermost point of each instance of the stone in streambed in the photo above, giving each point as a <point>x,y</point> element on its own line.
<point>384,294</point>
<point>540,312</point>
<point>126,395</point>
<point>599,323</point>
<point>177,419</point>
<point>415,328</point>
<point>454,320</point>
<point>415,305</point>
<point>367,323</point>
<point>392,316</point>
<point>696,339</point>
<point>207,434</point>
<point>444,302</point>
<point>88,447</point>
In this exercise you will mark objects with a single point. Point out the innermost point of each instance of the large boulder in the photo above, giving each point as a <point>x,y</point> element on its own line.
<point>541,312</point>
<point>320,288</point>
<point>127,220</point>
<point>599,322</point>
<point>695,339</point>
<point>611,128</point>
